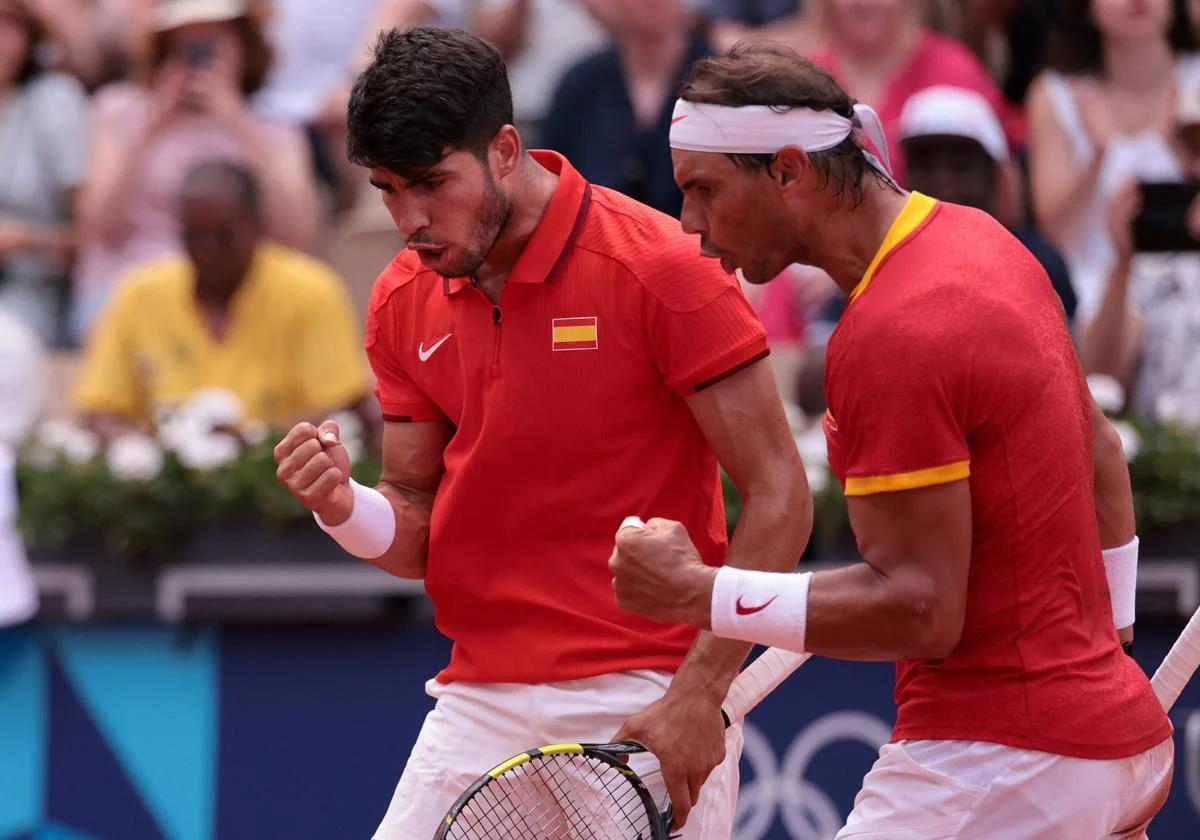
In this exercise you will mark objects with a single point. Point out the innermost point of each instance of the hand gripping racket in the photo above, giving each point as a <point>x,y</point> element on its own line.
<point>587,791</point>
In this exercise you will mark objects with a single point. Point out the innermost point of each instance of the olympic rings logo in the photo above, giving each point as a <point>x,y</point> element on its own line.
<point>781,789</point>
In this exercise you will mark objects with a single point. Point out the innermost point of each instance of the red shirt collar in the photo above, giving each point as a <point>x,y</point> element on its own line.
<point>555,231</point>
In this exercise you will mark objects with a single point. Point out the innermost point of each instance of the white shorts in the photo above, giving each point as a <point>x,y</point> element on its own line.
<point>943,790</point>
<point>475,726</point>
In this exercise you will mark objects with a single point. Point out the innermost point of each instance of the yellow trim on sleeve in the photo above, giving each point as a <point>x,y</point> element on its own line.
<point>916,209</point>
<point>866,485</point>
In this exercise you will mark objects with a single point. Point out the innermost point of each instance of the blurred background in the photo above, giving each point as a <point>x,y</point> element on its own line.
<point>185,260</point>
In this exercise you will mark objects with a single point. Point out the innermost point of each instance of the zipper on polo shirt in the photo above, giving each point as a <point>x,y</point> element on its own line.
<point>497,317</point>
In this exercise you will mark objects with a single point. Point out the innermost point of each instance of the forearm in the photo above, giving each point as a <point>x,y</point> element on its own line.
<point>108,189</point>
<point>289,208</point>
<point>1111,487</point>
<point>1058,194</point>
<point>1104,341</point>
<point>856,613</point>
<point>771,535</point>
<point>407,555</point>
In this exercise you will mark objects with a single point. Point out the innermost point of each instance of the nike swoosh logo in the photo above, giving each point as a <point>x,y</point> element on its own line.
<point>743,610</point>
<point>677,119</point>
<point>424,354</point>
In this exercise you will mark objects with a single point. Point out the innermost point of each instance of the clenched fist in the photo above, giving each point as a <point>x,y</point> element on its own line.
<point>315,466</point>
<point>657,573</point>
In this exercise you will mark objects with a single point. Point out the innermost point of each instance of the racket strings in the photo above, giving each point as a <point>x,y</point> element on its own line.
<point>556,797</point>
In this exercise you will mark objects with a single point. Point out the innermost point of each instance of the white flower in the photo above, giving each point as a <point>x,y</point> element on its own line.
<point>813,447</point>
<point>1107,392</point>
<point>177,429</point>
<point>215,408</point>
<point>818,477</point>
<point>134,457</point>
<point>207,452</point>
<point>1131,442</point>
<point>254,432</point>
<point>74,443</point>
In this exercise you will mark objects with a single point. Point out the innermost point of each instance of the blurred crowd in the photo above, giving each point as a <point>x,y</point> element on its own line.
<point>176,210</point>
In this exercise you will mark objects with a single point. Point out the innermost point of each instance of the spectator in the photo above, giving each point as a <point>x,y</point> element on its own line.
<point>236,312</point>
<point>611,113</point>
<point>43,137</point>
<point>1100,116</point>
<point>540,40</point>
<point>956,152</point>
<point>1146,332</point>
<point>207,56</point>
<point>1009,36</point>
<point>317,47</point>
<point>880,51</point>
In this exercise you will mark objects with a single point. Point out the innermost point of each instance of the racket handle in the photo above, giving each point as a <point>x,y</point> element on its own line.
<point>760,678</point>
<point>1179,665</point>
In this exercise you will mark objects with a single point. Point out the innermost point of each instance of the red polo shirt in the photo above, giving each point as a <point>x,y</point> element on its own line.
<point>953,362</point>
<point>568,404</point>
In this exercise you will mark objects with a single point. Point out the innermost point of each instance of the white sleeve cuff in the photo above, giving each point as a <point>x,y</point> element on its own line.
<point>1120,565</point>
<point>768,608</point>
<point>369,531</point>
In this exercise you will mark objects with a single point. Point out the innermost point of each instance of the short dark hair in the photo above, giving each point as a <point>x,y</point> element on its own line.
<point>427,91</point>
<point>757,73</point>
<point>230,179</point>
<point>1076,46</point>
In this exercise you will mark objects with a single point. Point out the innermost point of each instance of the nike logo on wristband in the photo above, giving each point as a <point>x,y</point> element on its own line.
<point>744,610</point>
<point>424,354</point>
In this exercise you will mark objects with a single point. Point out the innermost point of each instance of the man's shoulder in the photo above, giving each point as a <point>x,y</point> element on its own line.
<point>651,248</point>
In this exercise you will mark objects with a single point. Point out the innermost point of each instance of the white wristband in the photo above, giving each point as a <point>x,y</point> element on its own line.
<point>371,527</point>
<point>769,608</point>
<point>1120,565</point>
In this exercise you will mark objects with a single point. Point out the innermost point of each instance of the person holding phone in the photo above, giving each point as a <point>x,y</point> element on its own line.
<point>1147,328</point>
<point>206,58</point>
<point>1101,114</point>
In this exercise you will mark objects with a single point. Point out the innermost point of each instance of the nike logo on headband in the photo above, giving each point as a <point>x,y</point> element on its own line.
<point>677,119</point>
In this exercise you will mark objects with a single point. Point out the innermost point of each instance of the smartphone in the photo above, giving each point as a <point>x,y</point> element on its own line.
<point>197,52</point>
<point>1162,223</point>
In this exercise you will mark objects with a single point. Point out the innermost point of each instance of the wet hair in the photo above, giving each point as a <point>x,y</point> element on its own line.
<point>427,92</point>
<point>1075,44</point>
<point>777,76</point>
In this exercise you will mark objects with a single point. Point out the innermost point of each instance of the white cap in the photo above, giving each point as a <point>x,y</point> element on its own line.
<point>172,14</point>
<point>953,111</point>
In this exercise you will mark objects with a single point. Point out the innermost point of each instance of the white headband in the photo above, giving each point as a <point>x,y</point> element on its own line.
<point>762,129</point>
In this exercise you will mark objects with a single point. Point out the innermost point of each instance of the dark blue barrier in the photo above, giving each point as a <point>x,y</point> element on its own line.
<point>125,732</point>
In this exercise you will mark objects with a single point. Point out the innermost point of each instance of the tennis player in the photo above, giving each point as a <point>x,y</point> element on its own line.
<point>989,497</point>
<point>550,356</point>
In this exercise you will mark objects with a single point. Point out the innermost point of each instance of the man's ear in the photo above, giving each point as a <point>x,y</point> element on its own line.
<point>506,149</point>
<point>791,167</point>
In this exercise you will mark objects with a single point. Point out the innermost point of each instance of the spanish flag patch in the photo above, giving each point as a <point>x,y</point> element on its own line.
<point>574,334</point>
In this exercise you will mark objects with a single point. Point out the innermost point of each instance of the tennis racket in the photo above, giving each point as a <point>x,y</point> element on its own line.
<point>587,791</point>
<point>1178,665</point>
